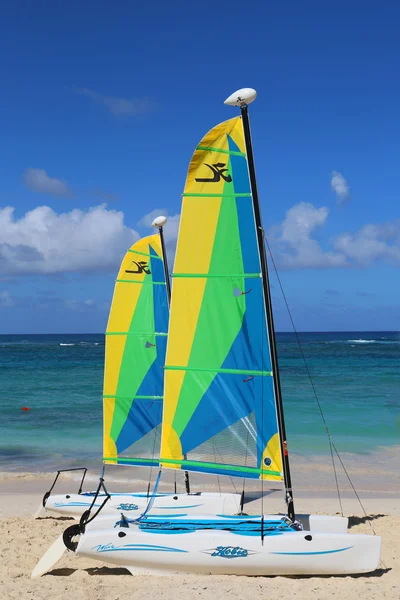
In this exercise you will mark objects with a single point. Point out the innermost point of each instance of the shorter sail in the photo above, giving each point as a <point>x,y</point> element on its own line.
<point>136,339</point>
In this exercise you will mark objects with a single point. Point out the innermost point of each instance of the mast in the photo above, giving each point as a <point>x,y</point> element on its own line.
<point>159,223</point>
<point>242,98</point>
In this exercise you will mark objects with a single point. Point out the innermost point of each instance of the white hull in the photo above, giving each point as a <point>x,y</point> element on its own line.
<point>225,552</point>
<point>133,505</point>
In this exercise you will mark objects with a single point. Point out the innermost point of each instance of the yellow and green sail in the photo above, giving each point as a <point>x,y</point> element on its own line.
<point>136,339</point>
<point>219,406</point>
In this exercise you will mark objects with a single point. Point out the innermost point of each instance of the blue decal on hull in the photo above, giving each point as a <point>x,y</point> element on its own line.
<point>175,507</point>
<point>230,552</point>
<point>308,553</point>
<point>127,507</point>
<point>62,504</point>
<point>134,547</point>
<point>134,495</point>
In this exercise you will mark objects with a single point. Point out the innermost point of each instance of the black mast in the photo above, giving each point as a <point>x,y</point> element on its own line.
<point>168,288</point>
<point>268,311</point>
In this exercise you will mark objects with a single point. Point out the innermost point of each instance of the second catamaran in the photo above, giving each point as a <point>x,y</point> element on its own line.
<point>136,340</point>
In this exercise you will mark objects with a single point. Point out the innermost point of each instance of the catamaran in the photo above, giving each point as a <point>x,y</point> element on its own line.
<point>136,341</point>
<point>223,412</point>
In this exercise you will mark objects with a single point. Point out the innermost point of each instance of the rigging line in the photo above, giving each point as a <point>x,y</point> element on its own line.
<point>215,460</point>
<point>310,378</point>
<point>353,488</point>
<point>222,461</point>
<point>244,478</point>
<point>154,450</point>
<point>357,496</point>
<point>263,324</point>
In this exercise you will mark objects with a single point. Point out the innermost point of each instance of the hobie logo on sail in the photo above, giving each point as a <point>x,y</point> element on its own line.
<point>218,170</point>
<point>141,267</point>
<point>230,552</point>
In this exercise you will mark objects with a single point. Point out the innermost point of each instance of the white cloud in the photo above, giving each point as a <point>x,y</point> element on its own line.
<point>293,245</point>
<point>6,300</point>
<point>340,187</point>
<point>371,243</point>
<point>38,181</point>
<point>120,106</point>
<point>45,242</point>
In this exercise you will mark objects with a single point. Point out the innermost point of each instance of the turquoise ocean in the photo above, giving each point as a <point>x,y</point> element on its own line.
<point>59,378</point>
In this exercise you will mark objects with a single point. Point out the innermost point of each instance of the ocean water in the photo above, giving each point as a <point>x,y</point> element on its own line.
<point>59,378</point>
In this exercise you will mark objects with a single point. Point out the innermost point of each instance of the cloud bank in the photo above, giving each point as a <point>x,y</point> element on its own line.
<point>294,242</point>
<point>44,242</point>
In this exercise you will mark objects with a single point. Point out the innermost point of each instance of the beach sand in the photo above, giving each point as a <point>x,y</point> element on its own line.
<point>23,540</point>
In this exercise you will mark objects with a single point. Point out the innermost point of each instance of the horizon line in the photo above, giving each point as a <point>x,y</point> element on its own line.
<point>277,331</point>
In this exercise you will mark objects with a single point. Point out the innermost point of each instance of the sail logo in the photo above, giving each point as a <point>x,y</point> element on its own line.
<point>141,267</point>
<point>230,552</point>
<point>218,170</point>
<point>127,507</point>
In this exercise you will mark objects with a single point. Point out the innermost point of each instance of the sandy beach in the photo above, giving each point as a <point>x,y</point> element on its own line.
<point>23,540</point>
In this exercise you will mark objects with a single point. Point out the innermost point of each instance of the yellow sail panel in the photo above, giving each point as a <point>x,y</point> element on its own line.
<point>219,407</point>
<point>135,354</point>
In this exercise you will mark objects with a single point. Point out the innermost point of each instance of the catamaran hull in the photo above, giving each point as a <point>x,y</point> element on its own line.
<point>133,505</point>
<point>226,553</point>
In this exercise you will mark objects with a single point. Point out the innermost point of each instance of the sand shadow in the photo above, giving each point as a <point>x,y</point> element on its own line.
<point>107,571</point>
<point>56,519</point>
<point>376,573</point>
<point>67,572</point>
<point>373,574</point>
<point>366,519</point>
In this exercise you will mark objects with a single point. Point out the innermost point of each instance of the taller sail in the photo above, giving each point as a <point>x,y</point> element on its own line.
<point>136,341</point>
<point>219,406</point>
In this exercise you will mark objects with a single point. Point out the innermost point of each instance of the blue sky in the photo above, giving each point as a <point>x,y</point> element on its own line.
<point>102,106</point>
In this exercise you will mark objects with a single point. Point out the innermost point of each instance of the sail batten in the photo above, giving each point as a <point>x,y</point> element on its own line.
<point>144,254</point>
<point>143,334</point>
<point>216,195</point>
<point>244,275</point>
<point>215,370</point>
<point>140,282</point>
<point>221,150</point>
<point>136,340</point>
<point>219,406</point>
